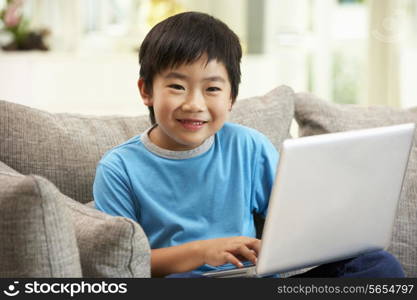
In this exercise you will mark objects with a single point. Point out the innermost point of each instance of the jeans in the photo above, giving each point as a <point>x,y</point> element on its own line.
<point>376,264</point>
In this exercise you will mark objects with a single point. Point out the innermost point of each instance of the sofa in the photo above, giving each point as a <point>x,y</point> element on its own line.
<point>49,226</point>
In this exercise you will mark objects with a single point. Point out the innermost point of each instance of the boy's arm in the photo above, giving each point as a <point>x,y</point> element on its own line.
<point>176,259</point>
<point>265,165</point>
<point>111,193</point>
<point>189,256</point>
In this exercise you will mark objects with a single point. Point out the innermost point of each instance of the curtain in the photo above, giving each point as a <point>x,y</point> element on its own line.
<point>62,18</point>
<point>383,53</point>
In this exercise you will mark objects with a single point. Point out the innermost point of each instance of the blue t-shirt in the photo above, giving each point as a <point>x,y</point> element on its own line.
<point>181,196</point>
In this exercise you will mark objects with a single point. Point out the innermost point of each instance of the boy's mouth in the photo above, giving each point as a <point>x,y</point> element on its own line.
<point>192,124</point>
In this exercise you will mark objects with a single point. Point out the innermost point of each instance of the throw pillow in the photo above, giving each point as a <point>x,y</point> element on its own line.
<point>109,246</point>
<point>270,114</point>
<point>315,116</point>
<point>37,238</point>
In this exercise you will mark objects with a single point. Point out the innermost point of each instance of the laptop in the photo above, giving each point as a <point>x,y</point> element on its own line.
<point>335,196</point>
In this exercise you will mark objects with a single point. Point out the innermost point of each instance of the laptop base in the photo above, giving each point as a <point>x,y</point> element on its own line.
<point>248,272</point>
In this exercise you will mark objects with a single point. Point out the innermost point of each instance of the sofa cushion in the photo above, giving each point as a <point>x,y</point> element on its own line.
<point>65,148</point>
<point>106,246</point>
<point>270,114</point>
<point>6,169</point>
<point>315,116</point>
<point>109,246</point>
<point>37,238</point>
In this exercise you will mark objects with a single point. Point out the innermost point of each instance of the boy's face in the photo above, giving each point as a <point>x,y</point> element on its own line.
<point>191,103</point>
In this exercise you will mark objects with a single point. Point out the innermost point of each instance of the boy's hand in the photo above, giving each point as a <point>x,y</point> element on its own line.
<point>230,250</point>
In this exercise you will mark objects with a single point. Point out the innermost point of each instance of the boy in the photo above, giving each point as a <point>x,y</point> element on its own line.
<point>192,180</point>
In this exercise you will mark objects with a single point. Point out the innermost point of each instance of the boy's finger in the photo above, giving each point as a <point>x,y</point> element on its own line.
<point>255,245</point>
<point>252,243</point>
<point>248,254</point>
<point>233,260</point>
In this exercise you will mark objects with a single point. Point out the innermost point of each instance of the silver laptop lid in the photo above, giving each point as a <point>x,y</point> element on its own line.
<point>335,196</point>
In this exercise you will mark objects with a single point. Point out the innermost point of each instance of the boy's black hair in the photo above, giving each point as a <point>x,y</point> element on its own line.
<point>184,38</point>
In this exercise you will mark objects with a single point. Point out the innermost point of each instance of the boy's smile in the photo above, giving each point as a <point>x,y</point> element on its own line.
<point>191,103</point>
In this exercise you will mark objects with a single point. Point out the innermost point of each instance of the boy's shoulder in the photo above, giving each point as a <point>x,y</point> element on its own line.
<point>122,150</point>
<point>246,140</point>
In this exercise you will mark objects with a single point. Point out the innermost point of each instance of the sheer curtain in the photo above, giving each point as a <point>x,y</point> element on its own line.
<point>62,18</point>
<point>385,36</point>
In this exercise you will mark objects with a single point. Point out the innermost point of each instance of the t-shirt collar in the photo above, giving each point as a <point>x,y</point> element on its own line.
<point>185,154</point>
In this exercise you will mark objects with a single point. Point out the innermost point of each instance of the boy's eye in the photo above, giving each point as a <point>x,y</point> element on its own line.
<point>176,87</point>
<point>213,89</point>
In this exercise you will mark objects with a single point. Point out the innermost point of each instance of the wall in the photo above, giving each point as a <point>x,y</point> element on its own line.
<point>99,84</point>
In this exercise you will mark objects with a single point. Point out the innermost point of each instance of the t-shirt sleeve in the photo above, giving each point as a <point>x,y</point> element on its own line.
<point>264,175</point>
<point>112,193</point>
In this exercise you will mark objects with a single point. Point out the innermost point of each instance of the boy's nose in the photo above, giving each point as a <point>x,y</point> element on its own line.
<point>194,102</point>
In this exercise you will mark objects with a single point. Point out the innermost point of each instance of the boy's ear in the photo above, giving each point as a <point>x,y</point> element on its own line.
<point>146,98</point>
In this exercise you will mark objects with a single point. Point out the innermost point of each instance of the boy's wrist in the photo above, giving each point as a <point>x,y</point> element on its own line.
<point>198,251</point>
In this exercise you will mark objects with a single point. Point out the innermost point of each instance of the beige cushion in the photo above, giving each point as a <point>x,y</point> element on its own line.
<point>109,246</point>
<point>106,246</point>
<point>315,116</point>
<point>270,114</point>
<point>37,238</point>
<point>63,148</point>
<point>6,169</point>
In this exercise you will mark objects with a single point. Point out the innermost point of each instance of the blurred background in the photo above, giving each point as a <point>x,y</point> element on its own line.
<point>80,56</point>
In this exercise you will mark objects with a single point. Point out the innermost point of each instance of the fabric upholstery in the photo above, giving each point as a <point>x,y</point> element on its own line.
<point>270,114</point>
<point>37,238</point>
<point>109,246</point>
<point>64,148</point>
<point>316,116</point>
